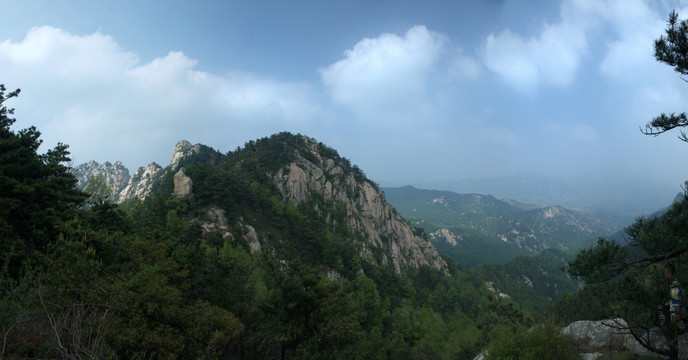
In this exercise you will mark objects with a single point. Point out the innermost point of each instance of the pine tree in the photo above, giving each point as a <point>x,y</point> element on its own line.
<point>37,191</point>
<point>673,51</point>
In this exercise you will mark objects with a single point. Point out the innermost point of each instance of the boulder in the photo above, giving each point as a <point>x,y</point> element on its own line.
<point>183,185</point>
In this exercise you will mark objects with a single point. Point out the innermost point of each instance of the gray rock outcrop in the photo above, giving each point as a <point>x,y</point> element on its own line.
<point>367,212</point>
<point>141,184</point>
<point>116,176</point>
<point>183,185</point>
<point>181,150</point>
<point>605,337</point>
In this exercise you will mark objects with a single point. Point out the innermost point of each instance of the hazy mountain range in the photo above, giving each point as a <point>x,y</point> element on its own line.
<point>627,200</point>
<point>476,229</point>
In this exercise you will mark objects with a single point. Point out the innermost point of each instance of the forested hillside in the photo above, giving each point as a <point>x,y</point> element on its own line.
<point>478,229</point>
<point>179,276</point>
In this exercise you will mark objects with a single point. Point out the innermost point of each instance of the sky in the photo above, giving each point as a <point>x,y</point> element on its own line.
<point>413,92</point>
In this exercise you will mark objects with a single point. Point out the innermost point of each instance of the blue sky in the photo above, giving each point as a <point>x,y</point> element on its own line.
<point>413,92</point>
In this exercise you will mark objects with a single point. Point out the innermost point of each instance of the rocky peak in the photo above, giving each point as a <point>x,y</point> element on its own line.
<point>141,184</point>
<point>182,149</point>
<point>367,211</point>
<point>116,176</point>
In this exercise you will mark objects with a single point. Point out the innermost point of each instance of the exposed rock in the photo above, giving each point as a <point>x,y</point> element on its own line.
<point>481,356</point>
<point>116,175</point>
<point>181,150</point>
<point>612,336</point>
<point>600,334</point>
<point>141,184</point>
<point>217,221</point>
<point>251,237</point>
<point>333,275</point>
<point>451,238</point>
<point>367,211</point>
<point>183,185</point>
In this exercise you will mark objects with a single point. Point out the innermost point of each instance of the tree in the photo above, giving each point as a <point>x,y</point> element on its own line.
<point>37,191</point>
<point>98,189</point>
<point>672,50</point>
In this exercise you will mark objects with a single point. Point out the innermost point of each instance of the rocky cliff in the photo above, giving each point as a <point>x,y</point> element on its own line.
<point>140,185</point>
<point>116,176</point>
<point>367,211</point>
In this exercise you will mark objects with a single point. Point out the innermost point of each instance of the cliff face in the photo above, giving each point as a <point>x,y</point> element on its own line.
<point>143,181</point>
<point>116,176</point>
<point>367,212</point>
<point>141,184</point>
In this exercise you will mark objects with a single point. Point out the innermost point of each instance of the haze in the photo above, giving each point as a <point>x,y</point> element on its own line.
<point>415,93</point>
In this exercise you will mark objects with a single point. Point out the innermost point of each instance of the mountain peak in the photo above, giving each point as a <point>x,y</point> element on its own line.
<point>182,149</point>
<point>318,169</point>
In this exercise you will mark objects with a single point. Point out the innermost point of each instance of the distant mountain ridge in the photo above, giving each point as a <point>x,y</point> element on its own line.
<point>627,200</point>
<point>476,229</point>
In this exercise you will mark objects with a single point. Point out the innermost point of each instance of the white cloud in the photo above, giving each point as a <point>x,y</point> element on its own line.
<point>630,54</point>
<point>385,71</point>
<point>101,100</point>
<point>551,57</point>
<point>463,67</point>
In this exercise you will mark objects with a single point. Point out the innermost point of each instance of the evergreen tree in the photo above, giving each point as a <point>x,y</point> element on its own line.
<point>671,50</point>
<point>37,190</point>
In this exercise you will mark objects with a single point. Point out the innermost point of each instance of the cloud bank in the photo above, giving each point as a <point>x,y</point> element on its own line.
<point>88,92</point>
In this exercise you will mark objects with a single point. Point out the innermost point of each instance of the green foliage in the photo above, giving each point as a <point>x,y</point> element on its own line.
<point>599,263</point>
<point>542,341</point>
<point>38,192</point>
<point>534,282</point>
<point>99,191</point>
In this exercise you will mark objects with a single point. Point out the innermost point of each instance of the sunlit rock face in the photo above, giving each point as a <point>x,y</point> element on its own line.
<point>367,212</point>
<point>141,184</point>
<point>116,176</point>
<point>181,150</point>
<point>183,185</point>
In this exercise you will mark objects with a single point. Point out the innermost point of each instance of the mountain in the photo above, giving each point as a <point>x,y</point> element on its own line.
<point>306,174</point>
<point>476,229</point>
<point>622,202</point>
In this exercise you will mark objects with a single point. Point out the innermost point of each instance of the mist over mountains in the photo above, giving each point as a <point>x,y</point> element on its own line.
<point>625,199</point>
